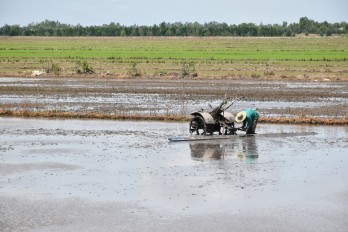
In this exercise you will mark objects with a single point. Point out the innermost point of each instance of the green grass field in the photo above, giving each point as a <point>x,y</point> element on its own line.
<point>226,57</point>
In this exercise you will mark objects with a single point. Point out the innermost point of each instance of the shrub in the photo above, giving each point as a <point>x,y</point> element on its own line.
<point>188,69</point>
<point>134,71</point>
<point>53,68</point>
<point>84,68</point>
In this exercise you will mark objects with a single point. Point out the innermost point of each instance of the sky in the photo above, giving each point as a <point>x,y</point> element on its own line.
<point>150,12</point>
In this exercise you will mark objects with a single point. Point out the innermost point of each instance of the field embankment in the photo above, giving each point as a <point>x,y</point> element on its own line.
<point>92,115</point>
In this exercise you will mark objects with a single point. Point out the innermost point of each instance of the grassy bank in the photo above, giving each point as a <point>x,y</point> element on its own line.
<point>223,57</point>
<point>93,115</point>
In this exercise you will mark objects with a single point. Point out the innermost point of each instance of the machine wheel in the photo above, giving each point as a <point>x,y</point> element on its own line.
<point>198,125</point>
<point>229,129</point>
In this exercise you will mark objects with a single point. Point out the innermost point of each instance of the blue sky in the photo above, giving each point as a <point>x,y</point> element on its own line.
<point>149,12</point>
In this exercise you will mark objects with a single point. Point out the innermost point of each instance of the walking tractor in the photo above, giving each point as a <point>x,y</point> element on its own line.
<point>205,122</point>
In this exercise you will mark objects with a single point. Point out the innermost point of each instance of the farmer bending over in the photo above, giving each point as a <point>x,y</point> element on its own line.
<point>249,117</point>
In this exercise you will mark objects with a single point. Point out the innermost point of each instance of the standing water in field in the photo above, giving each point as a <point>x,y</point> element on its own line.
<point>130,167</point>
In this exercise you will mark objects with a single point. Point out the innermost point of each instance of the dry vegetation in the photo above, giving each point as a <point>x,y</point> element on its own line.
<point>92,115</point>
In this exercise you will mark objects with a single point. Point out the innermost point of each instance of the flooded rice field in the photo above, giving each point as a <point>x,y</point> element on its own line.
<point>173,97</point>
<point>93,175</point>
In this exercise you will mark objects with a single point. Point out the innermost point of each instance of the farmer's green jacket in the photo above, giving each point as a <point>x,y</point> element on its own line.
<point>251,115</point>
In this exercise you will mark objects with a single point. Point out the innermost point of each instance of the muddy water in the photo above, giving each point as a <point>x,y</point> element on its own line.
<point>173,97</point>
<point>88,175</point>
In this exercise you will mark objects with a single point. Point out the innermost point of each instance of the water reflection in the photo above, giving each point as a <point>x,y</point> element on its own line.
<point>247,150</point>
<point>241,148</point>
<point>207,151</point>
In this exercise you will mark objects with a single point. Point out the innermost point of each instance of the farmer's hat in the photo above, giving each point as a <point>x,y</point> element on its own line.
<point>241,116</point>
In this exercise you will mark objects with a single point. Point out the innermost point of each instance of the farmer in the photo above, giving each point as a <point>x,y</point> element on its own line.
<point>249,117</point>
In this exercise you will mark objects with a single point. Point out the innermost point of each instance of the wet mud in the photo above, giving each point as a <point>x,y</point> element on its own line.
<point>88,175</point>
<point>173,97</point>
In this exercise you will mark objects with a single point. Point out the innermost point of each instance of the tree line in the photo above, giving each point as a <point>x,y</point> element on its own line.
<point>55,28</point>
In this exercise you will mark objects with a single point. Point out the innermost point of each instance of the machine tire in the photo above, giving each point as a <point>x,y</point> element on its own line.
<point>200,127</point>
